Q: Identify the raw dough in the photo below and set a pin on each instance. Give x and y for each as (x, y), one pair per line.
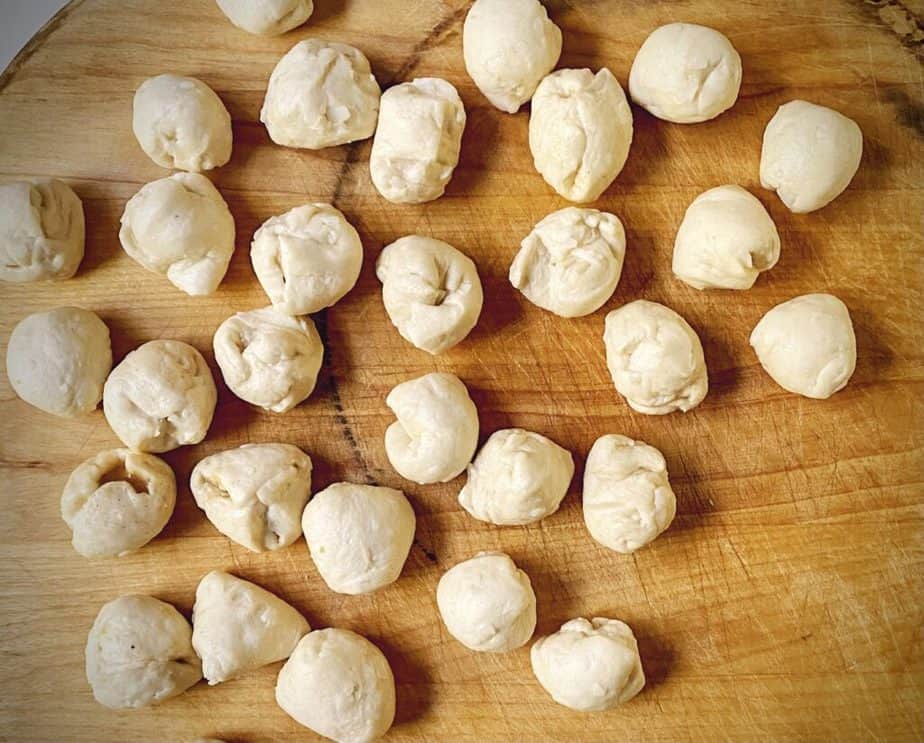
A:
(267, 17)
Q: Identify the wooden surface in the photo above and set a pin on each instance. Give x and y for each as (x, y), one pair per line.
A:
(785, 602)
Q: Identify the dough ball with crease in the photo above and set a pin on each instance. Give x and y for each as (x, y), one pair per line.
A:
(267, 17)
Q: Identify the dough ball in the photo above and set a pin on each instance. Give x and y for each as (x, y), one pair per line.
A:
(431, 292)
(487, 603)
(571, 262)
(359, 536)
(509, 46)
(655, 358)
(417, 142)
(180, 122)
(117, 502)
(589, 666)
(58, 360)
(307, 259)
(254, 494)
(807, 345)
(240, 627)
(518, 477)
(339, 685)
(181, 227)
(267, 17)
(42, 231)
(162, 396)
(809, 156)
(139, 652)
(268, 358)
(628, 500)
(436, 433)
(580, 130)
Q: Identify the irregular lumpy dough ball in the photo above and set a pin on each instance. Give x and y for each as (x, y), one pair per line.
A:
(42, 231)
(807, 345)
(518, 477)
(117, 502)
(655, 358)
(810, 154)
(580, 130)
(267, 17)
(268, 358)
(571, 262)
(417, 142)
(487, 603)
(58, 360)
(255, 494)
(339, 685)
(162, 396)
(139, 652)
(359, 536)
(181, 227)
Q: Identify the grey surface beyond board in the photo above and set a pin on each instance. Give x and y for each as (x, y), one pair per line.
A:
(19, 20)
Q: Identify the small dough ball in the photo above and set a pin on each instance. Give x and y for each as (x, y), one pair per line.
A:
(162, 396)
(809, 155)
(431, 291)
(181, 227)
(240, 627)
(58, 360)
(139, 652)
(267, 17)
(655, 358)
(359, 536)
(580, 130)
(254, 494)
(307, 259)
(518, 477)
(589, 666)
(339, 685)
(628, 500)
(436, 433)
(268, 358)
(807, 345)
(487, 603)
(42, 231)
(571, 262)
(180, 122)
(418, 140)
(117, 502)
(509, 46)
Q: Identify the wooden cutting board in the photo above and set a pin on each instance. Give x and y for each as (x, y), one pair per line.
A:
(785, 602)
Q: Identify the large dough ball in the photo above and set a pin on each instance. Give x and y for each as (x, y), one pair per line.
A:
(58, 360)
(267, 17)
(807, 345)
(160, 397)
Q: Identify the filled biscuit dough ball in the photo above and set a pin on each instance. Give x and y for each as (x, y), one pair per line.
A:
(267, 17)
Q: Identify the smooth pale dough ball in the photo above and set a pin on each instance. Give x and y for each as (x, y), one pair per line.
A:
(42, 231)
(589, 666)
(307, 259)
(181, 227)
(518, 477)
(359, 536)
(725, 240)
(509, 46)
(339, 685)
(809, 155)
(655, 358)
(267, 17)
(58, 360)
(487, 603)
(239, 627)
(571, 262)
(628, 500)
(418, 140)
(139, 652)
(117, 502)
(807, 345)
(436, 433)
(162, 396)
(254, 494)
(580, 130)
(268, 358)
